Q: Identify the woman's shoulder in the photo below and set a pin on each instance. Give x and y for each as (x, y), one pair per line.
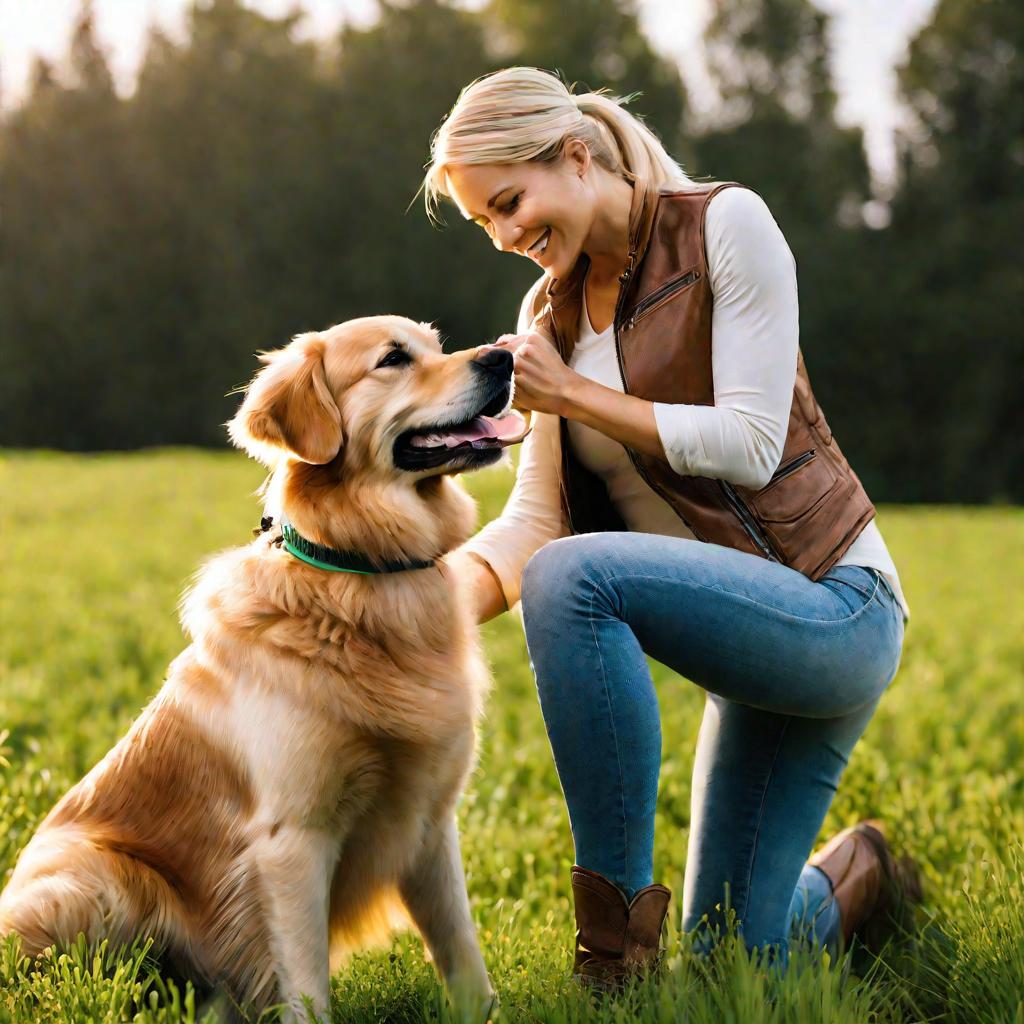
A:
(734, 215)
(738, 206)
(741, 235)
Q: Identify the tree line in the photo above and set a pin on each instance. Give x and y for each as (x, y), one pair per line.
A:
(255, 185)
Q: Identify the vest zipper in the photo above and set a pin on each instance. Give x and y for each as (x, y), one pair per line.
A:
(749, 522)
(563, 492)
(790, 466)
(646, 304)
(623, 282)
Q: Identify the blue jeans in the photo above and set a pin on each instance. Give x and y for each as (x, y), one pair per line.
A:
(792, 671)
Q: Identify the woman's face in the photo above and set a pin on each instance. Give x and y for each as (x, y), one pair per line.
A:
(542, 211)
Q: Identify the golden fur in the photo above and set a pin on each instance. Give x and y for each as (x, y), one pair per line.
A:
(290, 791)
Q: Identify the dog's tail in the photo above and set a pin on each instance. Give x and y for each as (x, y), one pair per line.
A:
(65, 886)
(47, 912)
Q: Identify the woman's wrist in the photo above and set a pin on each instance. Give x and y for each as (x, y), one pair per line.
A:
(579, 399)
(624, 418)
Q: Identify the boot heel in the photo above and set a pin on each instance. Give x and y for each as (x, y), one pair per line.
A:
(875, 892)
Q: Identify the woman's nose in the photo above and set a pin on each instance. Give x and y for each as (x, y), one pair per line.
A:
(506, 238)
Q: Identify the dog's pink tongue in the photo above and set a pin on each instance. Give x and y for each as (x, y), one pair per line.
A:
(482, 432)
(503, 428)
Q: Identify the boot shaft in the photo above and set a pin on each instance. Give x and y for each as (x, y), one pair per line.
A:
(615, 938)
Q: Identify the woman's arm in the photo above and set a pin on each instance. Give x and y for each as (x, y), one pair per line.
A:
(755, 335)
(624, 418)
(493, 559)
(486, 596)
(532, 516)
(546, 385)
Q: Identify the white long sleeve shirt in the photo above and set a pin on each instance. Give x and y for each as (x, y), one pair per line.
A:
(755, 334)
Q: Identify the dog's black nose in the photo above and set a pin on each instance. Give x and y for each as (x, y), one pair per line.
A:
(498, 361)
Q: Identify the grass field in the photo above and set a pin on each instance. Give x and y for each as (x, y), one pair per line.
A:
(96, 550)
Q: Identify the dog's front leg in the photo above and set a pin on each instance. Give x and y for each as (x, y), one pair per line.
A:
(435, 895)
(296, 865)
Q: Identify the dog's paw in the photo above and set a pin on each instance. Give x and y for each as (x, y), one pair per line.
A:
(476, 1008)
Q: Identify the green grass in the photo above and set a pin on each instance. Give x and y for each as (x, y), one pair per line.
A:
(96, 550)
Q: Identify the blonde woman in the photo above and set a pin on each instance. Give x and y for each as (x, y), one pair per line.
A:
(681, 495)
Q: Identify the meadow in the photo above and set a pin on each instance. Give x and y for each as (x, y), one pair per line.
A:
(96, 551)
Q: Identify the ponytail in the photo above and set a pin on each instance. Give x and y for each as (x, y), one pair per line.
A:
(635, 149)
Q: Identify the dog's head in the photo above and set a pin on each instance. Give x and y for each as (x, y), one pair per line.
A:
(376, 396)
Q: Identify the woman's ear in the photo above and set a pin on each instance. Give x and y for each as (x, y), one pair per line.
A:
(577, 155)
(289, 406)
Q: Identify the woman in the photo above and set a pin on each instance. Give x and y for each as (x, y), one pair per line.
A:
(680, 495)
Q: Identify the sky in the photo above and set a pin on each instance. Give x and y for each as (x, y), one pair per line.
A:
(868, 39)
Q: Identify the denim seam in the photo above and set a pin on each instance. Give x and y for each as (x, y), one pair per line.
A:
(887, 586)
(615, 734)
(760, 817)
(743, 597)
(866, 594)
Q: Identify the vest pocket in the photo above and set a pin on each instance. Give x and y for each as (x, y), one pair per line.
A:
(799, 509)
(796, 489)
(661, 295)
(785, 468)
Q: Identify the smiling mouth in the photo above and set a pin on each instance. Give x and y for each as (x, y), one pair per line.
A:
(540, 245)
(467, 444)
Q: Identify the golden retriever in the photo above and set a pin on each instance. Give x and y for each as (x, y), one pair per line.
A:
(290, 792)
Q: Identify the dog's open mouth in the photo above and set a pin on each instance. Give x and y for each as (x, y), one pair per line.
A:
(474, 442)
(481, 432)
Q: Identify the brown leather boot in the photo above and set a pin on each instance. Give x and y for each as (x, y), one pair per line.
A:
(875, 893)
(615, 940)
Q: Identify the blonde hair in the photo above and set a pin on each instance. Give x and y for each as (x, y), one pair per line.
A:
(522, 114)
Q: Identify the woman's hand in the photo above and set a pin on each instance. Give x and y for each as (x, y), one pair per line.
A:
(542, 380)
(545, 384)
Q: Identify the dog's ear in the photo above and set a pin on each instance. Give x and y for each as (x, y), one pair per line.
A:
(289, 405)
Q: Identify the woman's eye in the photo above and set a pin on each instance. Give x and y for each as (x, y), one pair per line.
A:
(513, 204)
(396, 357)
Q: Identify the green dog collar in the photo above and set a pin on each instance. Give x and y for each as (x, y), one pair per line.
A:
(332, 560)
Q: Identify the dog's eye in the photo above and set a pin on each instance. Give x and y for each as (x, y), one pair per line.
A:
(396, 357)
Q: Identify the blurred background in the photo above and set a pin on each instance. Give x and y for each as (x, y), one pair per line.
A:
(183, 184)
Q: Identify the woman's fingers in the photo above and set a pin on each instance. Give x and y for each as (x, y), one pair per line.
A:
(512, 342)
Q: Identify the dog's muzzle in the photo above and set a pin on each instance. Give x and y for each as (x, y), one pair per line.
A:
(473, 440)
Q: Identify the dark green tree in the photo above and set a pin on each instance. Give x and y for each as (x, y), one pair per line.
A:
(388, 90)
(777, 127)
(947, 351)
(224, 152)
(63, 249)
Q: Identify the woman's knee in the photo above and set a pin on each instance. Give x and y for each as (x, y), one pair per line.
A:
(540, 576)
(559, 570)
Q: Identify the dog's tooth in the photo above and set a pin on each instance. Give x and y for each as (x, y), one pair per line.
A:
(426, 440)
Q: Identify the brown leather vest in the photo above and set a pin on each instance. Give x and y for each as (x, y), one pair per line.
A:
(813, 507)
